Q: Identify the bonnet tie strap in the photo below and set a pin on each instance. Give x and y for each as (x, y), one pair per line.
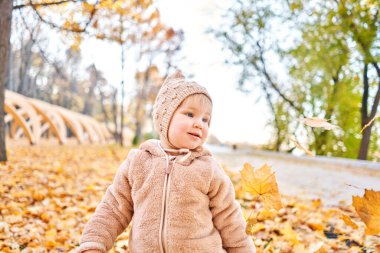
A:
(180, 151)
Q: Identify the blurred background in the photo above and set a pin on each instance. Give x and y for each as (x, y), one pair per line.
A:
(267, 65)
(295, 86)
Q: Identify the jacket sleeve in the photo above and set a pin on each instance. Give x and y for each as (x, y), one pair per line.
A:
(112, 215)
(227, 215)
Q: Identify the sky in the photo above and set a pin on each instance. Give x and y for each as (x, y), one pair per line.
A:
(237, 117)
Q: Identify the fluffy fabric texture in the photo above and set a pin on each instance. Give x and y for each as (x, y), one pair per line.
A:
(201, 212)
(171, 94)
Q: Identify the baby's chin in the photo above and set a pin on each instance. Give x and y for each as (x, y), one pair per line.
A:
(192, 147)
(189, 145)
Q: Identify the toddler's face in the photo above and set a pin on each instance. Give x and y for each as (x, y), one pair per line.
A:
(190, 123)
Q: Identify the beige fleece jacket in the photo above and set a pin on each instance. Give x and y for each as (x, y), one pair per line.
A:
(177, 205)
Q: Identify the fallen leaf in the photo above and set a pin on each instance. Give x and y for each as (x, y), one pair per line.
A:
(315, 225)
(317, 203)
(289, 233)
(251, 222)
(349, 222)
(257, 227)
(266, 214)
(368, 209)
(315, 247)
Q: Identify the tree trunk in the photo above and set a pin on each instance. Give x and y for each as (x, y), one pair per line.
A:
(364, 143)
(5, 47)
(25, 65)
(88, 107)
(366, 135)
(116, 133)
(122, 97)
(140, 112)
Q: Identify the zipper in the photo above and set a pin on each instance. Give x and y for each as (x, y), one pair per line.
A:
(164, 227)
(165, 200)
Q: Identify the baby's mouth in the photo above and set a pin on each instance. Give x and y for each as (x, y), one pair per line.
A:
(195, 134)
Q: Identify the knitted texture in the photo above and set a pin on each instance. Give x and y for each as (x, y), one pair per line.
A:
(173, 91)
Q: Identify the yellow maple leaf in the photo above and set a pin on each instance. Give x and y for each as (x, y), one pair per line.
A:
(261, 183)
(368, 209)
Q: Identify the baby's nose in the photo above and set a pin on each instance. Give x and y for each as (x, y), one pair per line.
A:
(198, 124)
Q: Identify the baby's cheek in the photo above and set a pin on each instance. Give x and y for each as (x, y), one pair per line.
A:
(205, 131)
(181, 128)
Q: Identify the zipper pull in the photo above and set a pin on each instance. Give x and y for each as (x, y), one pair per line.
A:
(169, 168)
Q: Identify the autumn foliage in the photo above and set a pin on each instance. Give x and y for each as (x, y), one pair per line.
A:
(291, 224)
(48, 193)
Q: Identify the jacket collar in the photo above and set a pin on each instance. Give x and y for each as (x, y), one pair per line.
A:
(153, 147)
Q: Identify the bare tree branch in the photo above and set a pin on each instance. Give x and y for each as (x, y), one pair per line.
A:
(53, 25)
(30, 4)
(42, 52)
(273, 84)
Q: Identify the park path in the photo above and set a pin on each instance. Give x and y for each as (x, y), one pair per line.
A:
(330, 179)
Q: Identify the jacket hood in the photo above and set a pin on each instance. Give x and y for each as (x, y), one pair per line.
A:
(153, 147)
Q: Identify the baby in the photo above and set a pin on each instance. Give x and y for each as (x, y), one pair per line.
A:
(178, 196)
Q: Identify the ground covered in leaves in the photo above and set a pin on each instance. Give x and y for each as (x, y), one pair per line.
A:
(49, 192)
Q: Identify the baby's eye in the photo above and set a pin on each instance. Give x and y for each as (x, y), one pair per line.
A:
(189, 114)
(205, 120)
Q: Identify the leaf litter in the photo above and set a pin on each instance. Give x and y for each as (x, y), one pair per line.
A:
(51, 192)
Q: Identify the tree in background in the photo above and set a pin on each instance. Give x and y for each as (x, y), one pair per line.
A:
(156, 48)
(320, 69)
(323, 46)
(115, 21)
(5, 31)
(344, 36)
(250, 39)
(361, 22)
(126, 23)
(148, 84)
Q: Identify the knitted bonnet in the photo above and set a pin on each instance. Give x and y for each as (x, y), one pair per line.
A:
(173, 91)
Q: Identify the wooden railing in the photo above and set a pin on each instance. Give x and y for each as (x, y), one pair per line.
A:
(33, 119)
